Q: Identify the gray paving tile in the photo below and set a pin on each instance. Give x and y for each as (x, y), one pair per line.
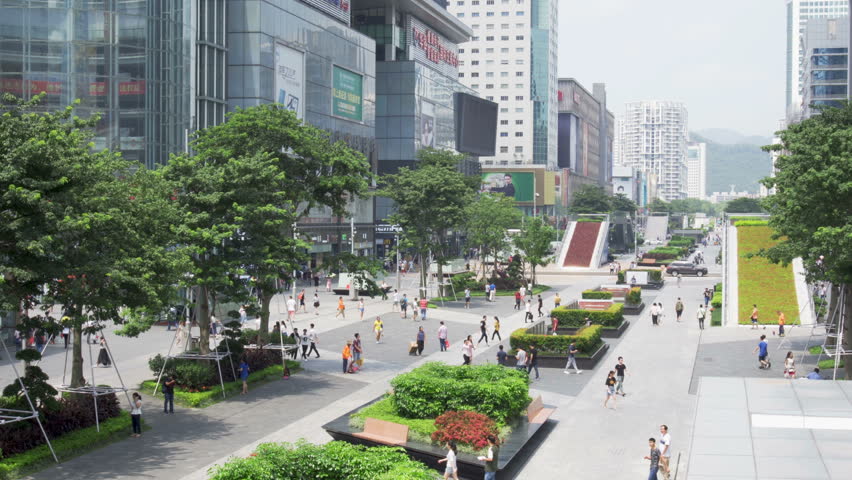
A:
(767, 447)
(722, 445)
(800, 468)
(788, 433)
(716, 422)
(839, 468)
(722, 467)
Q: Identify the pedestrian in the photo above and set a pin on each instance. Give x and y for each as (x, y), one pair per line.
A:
(701, 314)
(467, 351)
(356, 350)
(378, 327)
(496, 330)
(781, 321)
(395, 305)
(707, 296)
(244, 374)
(306, 343)
(136, 415)
(467, 298)
(316, 303)
(291, 309)
(501, 356)
(521, 359)
(403, 306)
(442, 336)
(483, 331)
(493, 292)
(312, 334)
(679, 280)
(523, 291)
(557, 300)
(491, 458)
(661, 313)
(554, 322)
(517, 300)
(540, 306)
(610, 389)
(243, 315)
(347, 354)
(620, 372)
(789, 366)
(295, 340)
(678, 308)
(754, 317)
(169, 395)
(665, 450)
(341, 309)
(532, 361)
(655, 314)
(103, 355)
(361, 308)
(302, 301)
(450, 470)
(415, 313)
(654, 457)
(528, 316)
(572, 359)
(66, 334)
(327, 284)
(814, 375)
(421, 341)
(762, 350)
(384, 289)
(487, 292)
(424, 305)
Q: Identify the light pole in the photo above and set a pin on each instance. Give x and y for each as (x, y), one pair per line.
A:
(398, 276)
(295, 236)
(352, 235)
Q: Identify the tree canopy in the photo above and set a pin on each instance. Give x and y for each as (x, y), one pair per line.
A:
(489, 217)
(534, 241)
(744, 205)
(590, 199)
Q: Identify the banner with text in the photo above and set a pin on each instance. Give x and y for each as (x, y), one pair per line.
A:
(347, 94)
(290, 78)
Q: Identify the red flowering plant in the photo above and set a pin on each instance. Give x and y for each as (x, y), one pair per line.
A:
(465, 427)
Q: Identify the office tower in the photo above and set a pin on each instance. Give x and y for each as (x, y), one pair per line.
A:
(696, 171)
(511, 59)
(825, 46)
(653, 140)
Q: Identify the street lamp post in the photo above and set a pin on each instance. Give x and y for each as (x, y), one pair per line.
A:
(398, 276)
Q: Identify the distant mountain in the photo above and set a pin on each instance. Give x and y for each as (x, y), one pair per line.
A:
(732, 137)
(741, 164)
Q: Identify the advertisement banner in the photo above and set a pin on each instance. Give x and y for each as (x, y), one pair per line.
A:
(430, 48)
(427, 125)
(518, 185)
(347, 90)
(289, 78)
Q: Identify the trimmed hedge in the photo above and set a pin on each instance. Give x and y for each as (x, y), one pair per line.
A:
(587, 341)
(333, 461)
(751, 223)
(612, 317)
(434, 388)
(634, 296)
(67, 446)
(419, 429)
(596, 295)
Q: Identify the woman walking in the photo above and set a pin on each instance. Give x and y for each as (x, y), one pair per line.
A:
(244, 373)
(136, 415)
(415, 312)
(302, 301)
(361, 308)
(528, 316)
(467, 298)
(467, 351)
(421, 341)
(341, 309)
(103, 356)
(450, 470)
(316, 303)
(347, 354)
(483, 331)
(378, 327)
(789, 366)
(610, 389)
(496, 330)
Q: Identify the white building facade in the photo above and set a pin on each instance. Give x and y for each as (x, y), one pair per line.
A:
(696, 170)
(511, 59)
(798, 14)
(654, 140)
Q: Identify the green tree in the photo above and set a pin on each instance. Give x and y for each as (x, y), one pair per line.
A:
(489, 217)
(309, 171)
(620, 203)
(431, 200)
(744, 205)
(811, 210)
(534, 243)
(363, 270)
(659, 205)
(590, 199)
(692, 205)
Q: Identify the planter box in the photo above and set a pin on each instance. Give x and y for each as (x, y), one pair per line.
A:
(469, 467)
(584, 363)
(606, 332)
(633, 309)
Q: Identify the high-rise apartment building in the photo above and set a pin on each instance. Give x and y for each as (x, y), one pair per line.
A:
(653, 140)
(825, 46)
(511, 59)
(696, 170)
(798, 14)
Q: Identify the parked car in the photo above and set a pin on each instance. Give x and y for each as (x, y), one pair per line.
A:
(686, 268)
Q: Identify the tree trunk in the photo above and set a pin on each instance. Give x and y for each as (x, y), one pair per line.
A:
(847, 331)
(202, 305)
(423, 278)
(830, 315)
(77, 379)
(265, 299)
(533, 276)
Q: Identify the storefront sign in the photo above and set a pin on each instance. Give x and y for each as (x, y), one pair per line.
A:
(338, 9)
(385, 228)
(429, 42)
(99, 89)
(347, 94)
(426, 46)
(34, 87)
(289, 78)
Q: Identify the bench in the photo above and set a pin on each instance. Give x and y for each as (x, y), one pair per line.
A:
(387, 433)
(536, 413)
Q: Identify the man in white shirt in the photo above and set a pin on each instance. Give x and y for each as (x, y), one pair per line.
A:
(665, 450)
(291, 309)
(521, 356)
(312, 335)
(442, 336)
(395, 306)
(523, 293)
(655, 314)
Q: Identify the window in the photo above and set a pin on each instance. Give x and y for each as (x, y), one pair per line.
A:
(823, 90)
(474, 26)
(519, 122)
(504, 85)
(461, 63)
(504, 98)
(474, 74)
(461, 50)
(504, 50)
(519, 13)
(475, 86)
(504, 122)
(489, 14)
(520, 2)
(474, 14)
(519, 25)
(519, 110)
(489, 98)
(504, 110)
(489, 38)
(519, 37)
(489, 2)
(475, 2)
(475, 39)
(460, 4)
(489, 85)
(519, 134)
(504, 38)
(474, 62)
(460, 14)
(489, 62)
(829, 59)
(504, 26)
(519, 85)
(517, 97)
(504, 134)
(489, 74)
(504, 74)
(504, 149)
(519, 50)
(829, 75)
(490, 26)
(519, 62)
(474, 50)
(461, 74)
(504, 62)
(519, 149)
(504, 14)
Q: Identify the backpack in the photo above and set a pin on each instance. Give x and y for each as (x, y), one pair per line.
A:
(679, 306)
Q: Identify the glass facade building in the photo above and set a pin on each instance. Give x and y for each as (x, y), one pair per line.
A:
(543, 81)
(127, 60)
(824, 67)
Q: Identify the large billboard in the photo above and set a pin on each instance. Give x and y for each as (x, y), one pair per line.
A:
(347, 93)
(290, 78)
(476, 125)
(518, 185)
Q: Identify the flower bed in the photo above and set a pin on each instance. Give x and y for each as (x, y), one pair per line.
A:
(464, 427)
(332, 461)
(612, 317)
(771, 287)
(587, 340)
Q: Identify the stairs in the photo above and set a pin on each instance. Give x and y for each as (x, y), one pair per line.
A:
(583, 244)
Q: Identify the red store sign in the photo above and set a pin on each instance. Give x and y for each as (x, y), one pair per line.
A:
(429, 42)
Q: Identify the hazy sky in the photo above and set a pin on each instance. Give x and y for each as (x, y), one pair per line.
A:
(725, 59)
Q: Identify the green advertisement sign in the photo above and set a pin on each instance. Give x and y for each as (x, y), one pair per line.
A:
(347, 89)
(518, 185)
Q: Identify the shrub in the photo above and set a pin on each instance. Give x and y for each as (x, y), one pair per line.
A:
(434, 388)
(634, 296)
(419, 429)
(716, 300)
(195, 375)
(332, 461)
(612, 317)
(587, 341)
(596, 295)
(465, 280)
(465, 427)
(718, 287)
(620, 278)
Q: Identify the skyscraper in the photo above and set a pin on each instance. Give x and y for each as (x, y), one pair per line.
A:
(798, 13)
(653, 140)
(825, 46)
(511, 59)
(696, 171)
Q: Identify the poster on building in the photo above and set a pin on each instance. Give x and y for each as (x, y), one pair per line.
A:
(427, 124)
(347, 90)
(518, 185)
(290, 78)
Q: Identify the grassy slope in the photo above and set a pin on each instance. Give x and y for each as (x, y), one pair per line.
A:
(769, 286)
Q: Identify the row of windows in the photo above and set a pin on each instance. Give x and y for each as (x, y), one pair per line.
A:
(489, 2)
(491, 62)
(829, 74)
(490, 38)
(490, 26)
(505, 149)
(491, 74)
(503, 26)
(506, 134)
(491, 50)
(491, 14)
(504, 98)
(829, 59)
(506, 122)
(822, 90)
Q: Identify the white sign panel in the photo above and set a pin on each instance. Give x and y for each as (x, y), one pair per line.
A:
(290, 78)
